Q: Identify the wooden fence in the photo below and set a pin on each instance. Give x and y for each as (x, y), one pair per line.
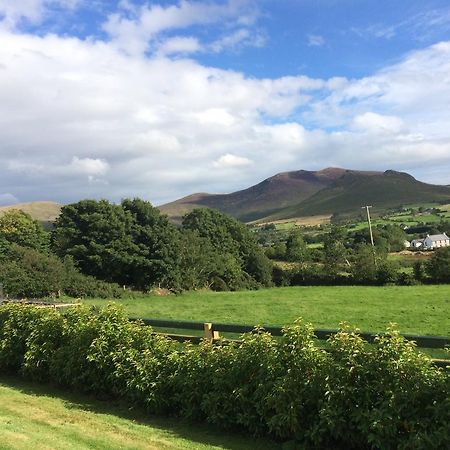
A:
(211, 332)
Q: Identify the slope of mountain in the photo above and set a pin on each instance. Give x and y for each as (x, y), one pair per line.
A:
(43, 211)
(268, 197)
(382, 190)
(305, 193)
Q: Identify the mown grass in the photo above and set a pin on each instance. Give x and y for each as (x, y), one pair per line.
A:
(422, 310)
(42, 417)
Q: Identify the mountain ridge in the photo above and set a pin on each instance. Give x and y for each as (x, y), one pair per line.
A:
(304, 193)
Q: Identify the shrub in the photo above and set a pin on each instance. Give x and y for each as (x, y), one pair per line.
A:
(28, 273)
(380, 396)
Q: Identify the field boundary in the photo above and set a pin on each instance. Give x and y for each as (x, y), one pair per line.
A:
(211, 332)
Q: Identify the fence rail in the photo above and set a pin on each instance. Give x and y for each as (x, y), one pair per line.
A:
(211, 332)
(321, 334)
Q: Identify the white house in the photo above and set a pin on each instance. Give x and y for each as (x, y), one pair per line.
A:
(436, 241)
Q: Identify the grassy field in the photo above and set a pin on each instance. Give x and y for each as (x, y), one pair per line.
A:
(423, 310)
(40, 417)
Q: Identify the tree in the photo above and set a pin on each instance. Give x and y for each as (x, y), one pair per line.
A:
(18, 227)
(95, 234)
(296, 249)
(363, 267)
(242, 263)
(130, 244)
(335, 253)
(394, 236)
(438, 267)
(156, 246)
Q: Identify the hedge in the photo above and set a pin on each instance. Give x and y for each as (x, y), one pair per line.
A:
(355, 396)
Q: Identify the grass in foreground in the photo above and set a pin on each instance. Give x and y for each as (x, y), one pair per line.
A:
(41, 417)
(422, 310)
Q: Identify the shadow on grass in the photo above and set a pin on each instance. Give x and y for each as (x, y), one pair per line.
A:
(194, 432)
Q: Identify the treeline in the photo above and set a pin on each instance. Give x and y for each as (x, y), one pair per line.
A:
(356, 396)
(345, 258)
(96, 248)
(101, 249)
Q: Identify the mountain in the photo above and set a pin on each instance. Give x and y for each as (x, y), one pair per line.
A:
(264, 199)
(305, 193)
(45, 212)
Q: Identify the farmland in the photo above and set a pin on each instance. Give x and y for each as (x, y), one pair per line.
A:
(420, 310)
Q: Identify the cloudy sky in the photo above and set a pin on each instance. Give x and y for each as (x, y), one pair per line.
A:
(160, 99)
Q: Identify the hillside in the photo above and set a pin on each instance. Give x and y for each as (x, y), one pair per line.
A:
(43, 211)
(269, 197)
(382, 190)
(306, 193)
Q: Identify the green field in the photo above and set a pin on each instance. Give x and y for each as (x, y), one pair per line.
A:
(44, 418)
(423, 310)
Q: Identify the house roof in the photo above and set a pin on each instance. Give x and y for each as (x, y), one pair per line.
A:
(438, 237)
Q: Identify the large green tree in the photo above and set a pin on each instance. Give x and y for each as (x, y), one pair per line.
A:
(155, 251)
(239, 262)
(129, 244)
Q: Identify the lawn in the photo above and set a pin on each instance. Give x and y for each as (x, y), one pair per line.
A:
(422, 310)
(41, 417)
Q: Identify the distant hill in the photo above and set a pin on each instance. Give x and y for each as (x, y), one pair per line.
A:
(269, 197)
(45, 212)
(305, 193)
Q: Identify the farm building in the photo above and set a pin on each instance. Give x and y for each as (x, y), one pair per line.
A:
(416, 243)
(436, 241)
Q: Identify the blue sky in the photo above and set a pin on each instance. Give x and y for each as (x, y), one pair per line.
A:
(159, 99)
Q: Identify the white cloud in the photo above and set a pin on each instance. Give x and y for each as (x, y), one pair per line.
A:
(84, 119)
(137, 32)
(242, 37)
(179, 44)
(12, 12)
(315, 40)
(376, 123)
(231, 161)
(88, 166)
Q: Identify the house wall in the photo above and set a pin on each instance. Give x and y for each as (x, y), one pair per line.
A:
(428, 243)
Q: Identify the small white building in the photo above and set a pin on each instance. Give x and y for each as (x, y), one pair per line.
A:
(416, 243)
(436, 241)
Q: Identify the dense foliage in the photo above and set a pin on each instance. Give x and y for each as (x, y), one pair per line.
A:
(128, 244)
(133, 245)
(17, 227)
(382, 396)
(438, 267)
(25, 273)
(238, 261)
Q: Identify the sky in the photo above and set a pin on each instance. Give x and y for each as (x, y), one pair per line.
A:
(161, 99)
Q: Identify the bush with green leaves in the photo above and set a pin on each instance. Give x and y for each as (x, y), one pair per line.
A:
(19, 228)
(385, 395)
(28, 273)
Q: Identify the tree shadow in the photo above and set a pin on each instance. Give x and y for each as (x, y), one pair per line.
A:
(193, 431)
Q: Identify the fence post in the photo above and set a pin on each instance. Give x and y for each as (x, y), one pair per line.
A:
(210, 335)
